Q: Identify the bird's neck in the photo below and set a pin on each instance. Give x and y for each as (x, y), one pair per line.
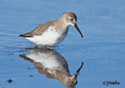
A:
(63, 24)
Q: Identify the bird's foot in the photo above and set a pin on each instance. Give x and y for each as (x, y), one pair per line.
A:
(43, 47)
(36, 46)
(46, 48)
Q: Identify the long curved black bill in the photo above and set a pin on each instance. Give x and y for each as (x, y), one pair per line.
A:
(75, 25)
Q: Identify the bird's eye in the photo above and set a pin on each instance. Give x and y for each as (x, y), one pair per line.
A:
(71, 19)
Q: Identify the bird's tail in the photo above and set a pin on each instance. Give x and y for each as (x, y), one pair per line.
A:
(25, 35)
(21, 35)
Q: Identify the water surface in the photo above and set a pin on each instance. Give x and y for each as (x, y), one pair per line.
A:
(102, 49)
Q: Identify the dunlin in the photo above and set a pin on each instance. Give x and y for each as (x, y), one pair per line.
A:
(53, 32)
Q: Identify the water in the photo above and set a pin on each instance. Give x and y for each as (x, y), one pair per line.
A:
(102, 49)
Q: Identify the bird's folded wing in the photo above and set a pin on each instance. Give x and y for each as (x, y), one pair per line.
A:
(38, 30)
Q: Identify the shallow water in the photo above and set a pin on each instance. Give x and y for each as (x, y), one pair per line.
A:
(102, 49)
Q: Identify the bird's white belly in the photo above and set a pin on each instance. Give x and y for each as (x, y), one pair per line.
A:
(49, 38)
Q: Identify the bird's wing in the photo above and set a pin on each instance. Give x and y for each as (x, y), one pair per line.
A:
(39, 30)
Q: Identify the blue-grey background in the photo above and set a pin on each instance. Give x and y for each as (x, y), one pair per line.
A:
(102, 23)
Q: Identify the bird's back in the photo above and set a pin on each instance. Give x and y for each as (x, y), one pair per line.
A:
(39, 29)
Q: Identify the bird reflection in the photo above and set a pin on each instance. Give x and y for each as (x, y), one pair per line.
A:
(53, 65)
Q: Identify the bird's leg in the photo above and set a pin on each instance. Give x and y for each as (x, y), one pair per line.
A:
(45, 47)
(36, 46)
